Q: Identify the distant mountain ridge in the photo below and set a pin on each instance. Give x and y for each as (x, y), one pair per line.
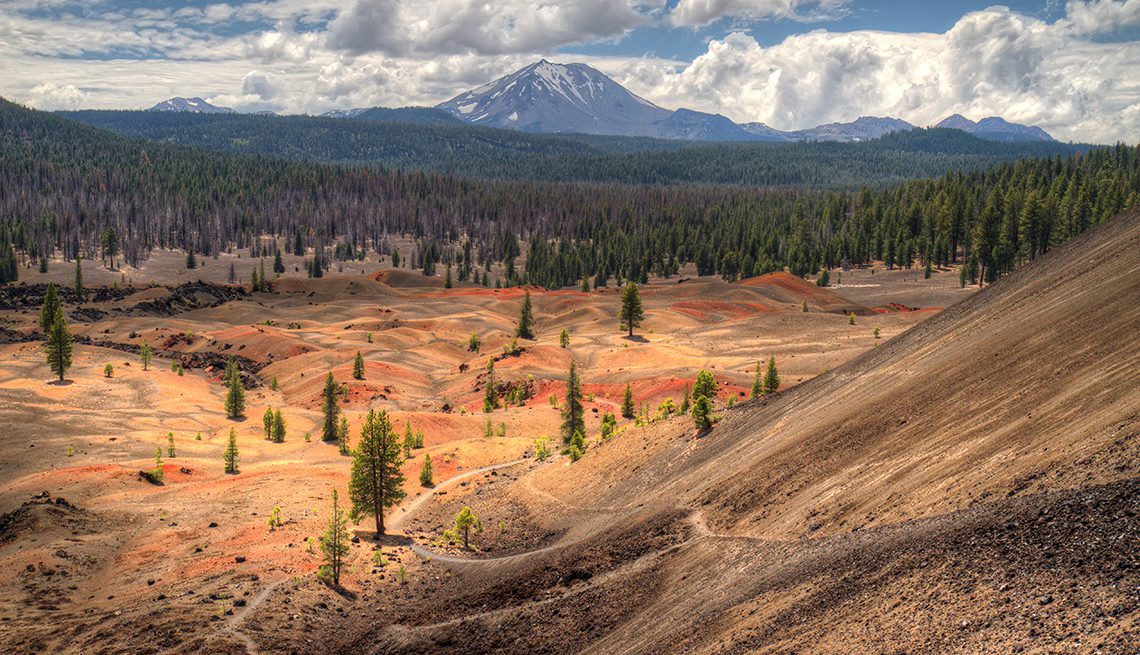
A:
(995, 128)
(551, 98)
(560, 98)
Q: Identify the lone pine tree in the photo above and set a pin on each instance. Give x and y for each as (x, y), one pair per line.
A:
(631, 311)
(757, 382)
(466, 521)
(705, 385)
(425, 472)
(490, 392)
(235, 398)
(335, 542)
(377, 482)
(278, 427)
(572, 411)
(330, 408)
(358, 366)
(58, 347)
(627, 408)
(230, 456)
(267, 423)
(771, 377)
(525, 327)
(145, 355)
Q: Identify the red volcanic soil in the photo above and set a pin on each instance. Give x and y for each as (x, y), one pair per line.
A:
(790, 288)
(705, 309)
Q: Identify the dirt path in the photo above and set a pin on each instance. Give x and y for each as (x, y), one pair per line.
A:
(414, 504)
(233, 626)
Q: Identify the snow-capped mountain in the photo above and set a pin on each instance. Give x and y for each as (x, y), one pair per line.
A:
(194, 105)
(547, 97)
(995, 128)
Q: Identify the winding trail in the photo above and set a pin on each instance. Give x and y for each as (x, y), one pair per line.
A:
(414, 504)
(233, 626)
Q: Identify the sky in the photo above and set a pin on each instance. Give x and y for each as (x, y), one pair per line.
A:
(1072, 68)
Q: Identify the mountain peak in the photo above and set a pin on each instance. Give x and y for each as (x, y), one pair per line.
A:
(995, 128)
(193, 105)
(551, 97)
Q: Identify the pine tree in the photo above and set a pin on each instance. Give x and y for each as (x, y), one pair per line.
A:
(572, 412)
(50, 307)
(491, 392)
(262, 283)
(705, 385)
(525, 327)
(358, 366)
(631, 311)
(235, 398)
(191, 261)
(627, 408)
(377, 481)
(278, 427)
(267, 423)
(425, 472)
(342, 436)
(145, 355)
(58, 346)
(771, 378)
(170, 444)
(409, 439)
(335, 542)
(564, 338)
(466, 521)
(447, 278)
(278, 264)
(158, 472)
(757, 382)
(232, 277)
(684, 409)
(488, 429)
(702, 413)
(330, 408)
(230, 456)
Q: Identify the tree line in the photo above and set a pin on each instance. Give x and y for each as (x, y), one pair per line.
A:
(72, 190)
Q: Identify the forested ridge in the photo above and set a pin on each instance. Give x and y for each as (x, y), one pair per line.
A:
(70, 188)
(472, 151)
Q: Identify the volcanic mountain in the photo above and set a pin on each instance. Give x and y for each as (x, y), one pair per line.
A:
(547, 97)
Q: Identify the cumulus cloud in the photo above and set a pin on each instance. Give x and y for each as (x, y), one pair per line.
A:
(690, 13)
(1101, 16)
(991, 62)
(407, 27)
(55, 96)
